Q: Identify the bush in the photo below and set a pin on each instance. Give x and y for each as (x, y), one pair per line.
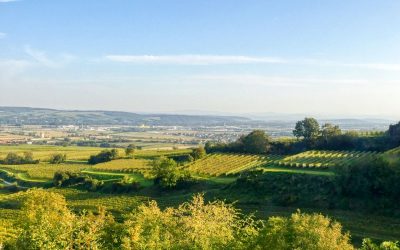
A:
(198, 153)
(302, 231)
(372, 177)
(58, 158)
(103, 156)
(65, 179)
(15, 159)
(168, 175)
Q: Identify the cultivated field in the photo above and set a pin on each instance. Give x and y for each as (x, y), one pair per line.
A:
(320, 159)
(226, 164)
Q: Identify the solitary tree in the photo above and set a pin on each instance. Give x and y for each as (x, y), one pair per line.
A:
(198, 153)
(58, 158)
(308, 129)
(394, 134)
(329, 130)
(166, 172)
(130, 150)
(257, 142)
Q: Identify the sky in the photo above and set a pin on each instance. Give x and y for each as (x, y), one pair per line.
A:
(234, 57)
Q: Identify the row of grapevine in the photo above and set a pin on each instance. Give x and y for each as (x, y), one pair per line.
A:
(219, 164)
(125, 166)
(321, 159)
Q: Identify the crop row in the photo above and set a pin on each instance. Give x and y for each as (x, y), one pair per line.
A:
(125, 166)
(218, 164)
(321, 159)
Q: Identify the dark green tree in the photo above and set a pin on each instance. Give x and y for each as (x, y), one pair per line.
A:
(257, 142)
(165, 172)
(308, 129)
(328, 131)
(198, 153)
(130, 150)
(58, 158)
(394, 134)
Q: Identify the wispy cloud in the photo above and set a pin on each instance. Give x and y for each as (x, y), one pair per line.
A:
(377, 66)
(42, 58)
(8, 1)
(2, 35)
(39, 56)
(233, 59)
(283, 81)
(192, 59)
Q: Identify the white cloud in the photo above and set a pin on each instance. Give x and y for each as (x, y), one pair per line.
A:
(8, 1)
(192, 59)
(282, 81)
(232, 59)
(2, 35)
(39, 56)
(377, 66)
(42, 58)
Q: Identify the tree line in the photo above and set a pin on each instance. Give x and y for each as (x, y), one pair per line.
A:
(310, 135)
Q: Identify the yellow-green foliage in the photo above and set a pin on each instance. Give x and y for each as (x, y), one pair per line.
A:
(193, 225)
(302, 231)
(45, 222)
(125, 165)
(44, 153)
(43, 170)
(158, 153)
(321, 159)
(218, 164)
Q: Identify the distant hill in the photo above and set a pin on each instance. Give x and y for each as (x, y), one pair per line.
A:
(41, 116)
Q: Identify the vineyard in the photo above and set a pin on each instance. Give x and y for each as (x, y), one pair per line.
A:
(43, 170)
(227, 164)
(320, 159)
(125, 166)
(44, 153)
(230, 164)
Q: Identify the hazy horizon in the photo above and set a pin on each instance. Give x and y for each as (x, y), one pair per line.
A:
(253, 57)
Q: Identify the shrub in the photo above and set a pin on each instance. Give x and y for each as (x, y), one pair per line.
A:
(15, 159)
(58, 158)
(65, 179)
(103, 156)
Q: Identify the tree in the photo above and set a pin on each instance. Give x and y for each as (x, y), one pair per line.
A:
(369, 178)
(165, 172)
(302, 231)
(103, 156)
(367, 244)
(257, 142)
(394, 134)
(308, 129)
(130, 150)
(329, 131)
(193, 225)
(46, 222)
(15, 159)
(28, 157)
(58, 158)
(198, 153)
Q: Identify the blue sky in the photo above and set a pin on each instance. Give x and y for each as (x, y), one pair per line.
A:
(315, 57)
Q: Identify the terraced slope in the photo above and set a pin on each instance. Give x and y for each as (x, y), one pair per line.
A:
(226, 164)
(320, 159)
(125, 166)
